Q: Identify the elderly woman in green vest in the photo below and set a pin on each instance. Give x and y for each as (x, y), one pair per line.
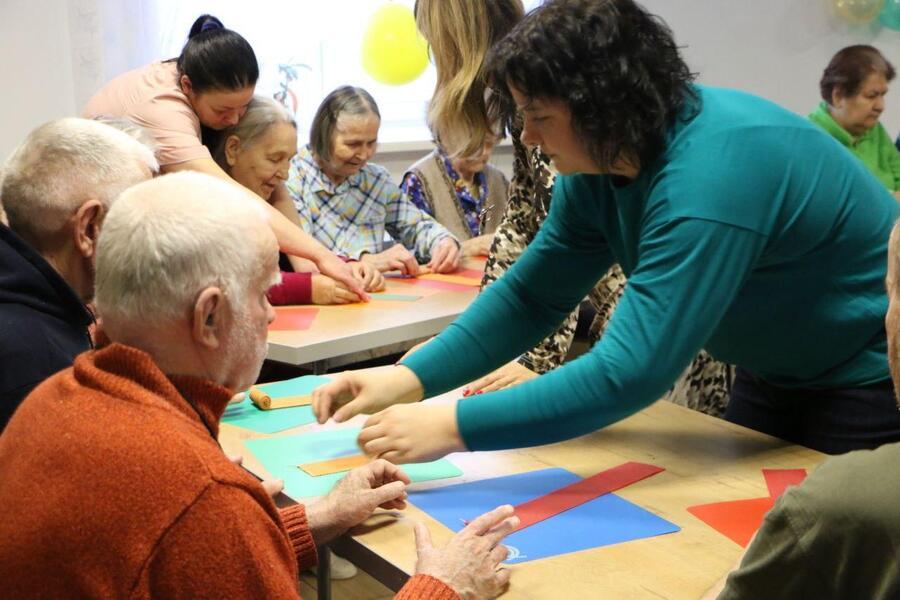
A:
(853, 88)
(464, 194)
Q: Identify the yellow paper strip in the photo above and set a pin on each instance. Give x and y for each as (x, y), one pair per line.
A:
(334, 465)
(265, 402)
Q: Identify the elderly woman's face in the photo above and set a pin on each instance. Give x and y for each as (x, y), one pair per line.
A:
(860, 113)
(265, 163)
(354, 143)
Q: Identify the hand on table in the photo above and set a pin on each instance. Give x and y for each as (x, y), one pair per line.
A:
(326, 290)
(368, 276)
(378, 484)
(334, 267)
(445, 256)
(395, 258)
(506, 376)
(365, 391)
(470, 562)
(412, 433)
(478, 246)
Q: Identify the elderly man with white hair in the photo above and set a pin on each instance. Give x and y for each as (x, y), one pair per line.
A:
(56, 189)
(150, 505)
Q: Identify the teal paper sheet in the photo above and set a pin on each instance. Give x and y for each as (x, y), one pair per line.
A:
(245, 414)
(282, 455)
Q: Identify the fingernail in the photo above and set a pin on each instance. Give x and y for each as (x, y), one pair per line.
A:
(466, 392)
(479, 392)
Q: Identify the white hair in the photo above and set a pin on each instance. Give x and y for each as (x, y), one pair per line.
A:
(166, 240)
(261, 114)
(60, 166)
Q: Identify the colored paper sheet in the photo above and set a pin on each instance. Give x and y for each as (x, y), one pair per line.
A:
(470, 273)
(395, 297)
(285, 394)
(281, 455)
(245, 414)
(576, 494)
(292, 318)
(777, 480)
(602, 521)
(428, 283)
(335, 465)
(452, 278)
(738, 520)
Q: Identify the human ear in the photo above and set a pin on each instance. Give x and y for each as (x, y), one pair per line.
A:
(232, 149)
(209, 318)
(88, 220)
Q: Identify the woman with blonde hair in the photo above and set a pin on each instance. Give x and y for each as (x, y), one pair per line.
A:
(462, 113)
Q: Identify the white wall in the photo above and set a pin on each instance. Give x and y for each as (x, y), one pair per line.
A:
(775, 48)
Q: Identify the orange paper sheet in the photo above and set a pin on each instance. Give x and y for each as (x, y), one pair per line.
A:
(452, 278)
(292, 318)
(738, 520)
(335, 465)
(569, 497)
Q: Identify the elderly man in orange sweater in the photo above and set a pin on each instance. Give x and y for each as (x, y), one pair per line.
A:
(113, 483)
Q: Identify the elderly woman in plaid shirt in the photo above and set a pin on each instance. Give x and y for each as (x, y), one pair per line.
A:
(348, 204)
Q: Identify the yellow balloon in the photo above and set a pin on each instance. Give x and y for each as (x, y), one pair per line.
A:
(858, 12)
(393, 50)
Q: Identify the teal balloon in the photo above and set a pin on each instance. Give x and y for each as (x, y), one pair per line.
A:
(890, 14)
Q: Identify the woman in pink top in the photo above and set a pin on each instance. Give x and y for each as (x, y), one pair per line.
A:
(210, 84)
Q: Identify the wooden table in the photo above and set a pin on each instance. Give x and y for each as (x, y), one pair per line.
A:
(345, 330)
(706, 460)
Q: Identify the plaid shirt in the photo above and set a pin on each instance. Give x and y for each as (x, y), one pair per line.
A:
(352, 218)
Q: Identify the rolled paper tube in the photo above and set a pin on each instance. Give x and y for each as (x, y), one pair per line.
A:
(334, 465)
(265, 402)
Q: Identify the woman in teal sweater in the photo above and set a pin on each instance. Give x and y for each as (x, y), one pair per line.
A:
(733, 237)
(853, 87)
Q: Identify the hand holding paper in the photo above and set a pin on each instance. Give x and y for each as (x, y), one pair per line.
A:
(470, 561)
(412, 433)
(365, 391)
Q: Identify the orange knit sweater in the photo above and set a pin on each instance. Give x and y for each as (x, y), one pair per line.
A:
(112, 486)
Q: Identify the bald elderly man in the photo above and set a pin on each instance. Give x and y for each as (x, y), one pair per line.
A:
(836, 535)
(56, 189)
(113, 482)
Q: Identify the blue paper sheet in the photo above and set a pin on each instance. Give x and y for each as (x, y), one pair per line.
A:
(606, 520)
(282, 455)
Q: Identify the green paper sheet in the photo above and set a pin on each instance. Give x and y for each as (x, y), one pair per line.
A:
(298, 386)
(245, 414)
(395, 297)
(282, 455)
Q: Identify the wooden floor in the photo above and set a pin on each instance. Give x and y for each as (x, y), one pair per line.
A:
(360, 587)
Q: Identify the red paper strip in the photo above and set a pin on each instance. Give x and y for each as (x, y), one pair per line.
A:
(738, 520)
(291, 318)
(777, 480)
(563, 499)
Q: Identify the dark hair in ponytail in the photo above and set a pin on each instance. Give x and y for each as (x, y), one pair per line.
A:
(216, 58)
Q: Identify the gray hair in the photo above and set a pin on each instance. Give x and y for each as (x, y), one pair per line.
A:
(347, 100)
(261, 114)
(141, 134)
(60, 166)
(167, 239)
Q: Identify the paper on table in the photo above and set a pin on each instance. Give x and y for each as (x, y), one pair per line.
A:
(738, 520)
(245, 414)
(334, 465)
(281, 455)
(451, 278)
(285, 394)
(292, 318)
(576, 494)
(608, 519)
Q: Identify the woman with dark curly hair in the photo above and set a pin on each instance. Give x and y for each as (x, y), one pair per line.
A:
(741, 229)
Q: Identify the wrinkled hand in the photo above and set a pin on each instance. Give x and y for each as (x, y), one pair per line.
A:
(506, 376)
(378, 484)
(412, 433)
(334, 267)
(470, 562)
(477, 246)
(365, 391)
(395, 258)
(445, 256)
(326, 290)
(368, 276)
